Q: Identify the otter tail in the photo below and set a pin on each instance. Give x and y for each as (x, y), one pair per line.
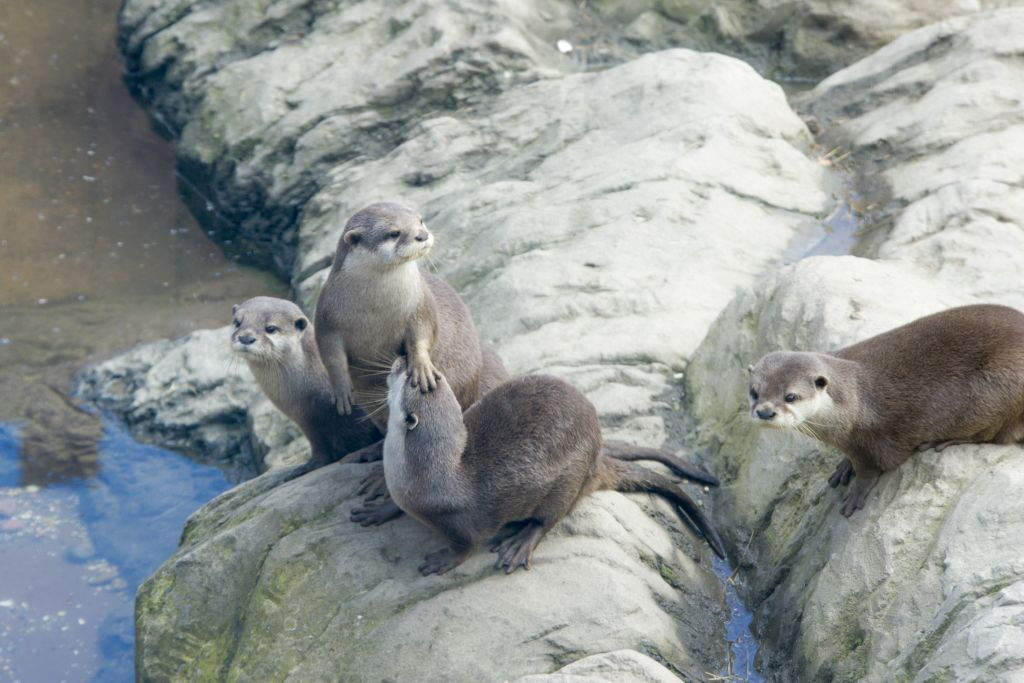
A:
(621, 450)
(617, 475)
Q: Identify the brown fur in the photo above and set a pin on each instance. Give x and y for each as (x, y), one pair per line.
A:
(508, 469)
(281, 353)
(952, 377)
(377, 304)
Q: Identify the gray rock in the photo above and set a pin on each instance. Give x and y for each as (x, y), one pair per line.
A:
(571, 213)
(281, 586)
(596, 224)
(809, 39)
(187, 394)
(621, 666)
(923, 584)
(935, 123)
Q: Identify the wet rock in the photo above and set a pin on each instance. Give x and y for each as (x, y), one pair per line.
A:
(935, 123)
(914, 587)
(187, 394)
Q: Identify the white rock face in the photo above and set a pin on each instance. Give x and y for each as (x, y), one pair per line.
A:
(937, 119)
(598, 223)
(921, 584)
(595, 224)
(625, 666)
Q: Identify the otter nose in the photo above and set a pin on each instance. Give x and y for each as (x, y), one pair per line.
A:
(246, 339)
(765, 413)
(422, 236)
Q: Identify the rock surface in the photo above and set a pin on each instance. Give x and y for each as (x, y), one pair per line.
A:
(935, 123)
(597, 223)
(924, 583)
(569, 212)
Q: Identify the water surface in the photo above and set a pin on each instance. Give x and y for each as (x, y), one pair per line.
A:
(97, 253)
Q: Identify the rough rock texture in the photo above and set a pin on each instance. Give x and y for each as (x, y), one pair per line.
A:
(570, 213)
(266, 98)
(926, 583)
(935, 123)
(277, 584)
(809, 39)
(194, 395)
(625, 666)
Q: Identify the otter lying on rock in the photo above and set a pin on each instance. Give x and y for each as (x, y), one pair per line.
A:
(514, 464)
(949, 378)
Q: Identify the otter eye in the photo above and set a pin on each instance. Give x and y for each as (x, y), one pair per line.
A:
(753, 394)
(821, 382)
(395, 234)
(411, 421)
(790, 398)
(271, 329)
(237, 322)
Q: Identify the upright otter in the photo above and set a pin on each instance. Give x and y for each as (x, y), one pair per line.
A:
(515, 463)
(377, 304)
(275, 339)
(948, 378)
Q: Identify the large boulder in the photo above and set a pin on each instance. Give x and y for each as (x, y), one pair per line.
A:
(595, 224)
(934, 124)
(926, 582)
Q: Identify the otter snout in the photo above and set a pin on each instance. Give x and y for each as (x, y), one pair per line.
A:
(422, 236)
(765, 413)
(246, 339)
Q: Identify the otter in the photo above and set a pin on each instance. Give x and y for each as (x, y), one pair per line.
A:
(377, 304)
(949, 378)
(275, 339)
(508, 469)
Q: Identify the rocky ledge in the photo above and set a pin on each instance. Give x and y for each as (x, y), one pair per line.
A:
(634, 223)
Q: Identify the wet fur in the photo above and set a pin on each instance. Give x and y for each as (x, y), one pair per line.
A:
(524, 455)
(955, 376)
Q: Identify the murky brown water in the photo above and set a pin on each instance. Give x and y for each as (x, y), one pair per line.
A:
(97, 253)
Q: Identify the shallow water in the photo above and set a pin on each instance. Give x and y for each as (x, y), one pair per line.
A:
(97, 253)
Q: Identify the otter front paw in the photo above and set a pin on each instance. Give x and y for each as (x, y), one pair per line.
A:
(857, 494)
(371, 453)
(373, 484)
(424, 375)
(343, 398)
(842, 474)
(375, 514)
(442, 561)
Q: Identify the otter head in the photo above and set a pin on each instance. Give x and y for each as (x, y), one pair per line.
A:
(427, 425)
(789, 390)
(268, 330)
(383, 236)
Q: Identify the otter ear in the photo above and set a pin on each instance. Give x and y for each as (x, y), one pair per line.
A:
(820, 382)
(352, 237)
(411, 421)
(234, 309)
(750, 369)
(300, 324)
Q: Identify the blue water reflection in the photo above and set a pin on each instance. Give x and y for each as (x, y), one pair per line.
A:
(72, 554)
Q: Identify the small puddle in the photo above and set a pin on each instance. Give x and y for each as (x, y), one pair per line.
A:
(742, 644)
(75, 552)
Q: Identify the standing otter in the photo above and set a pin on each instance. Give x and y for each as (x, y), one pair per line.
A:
(949, 378)
(276, 341)
(515, 464)
(377, 304)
